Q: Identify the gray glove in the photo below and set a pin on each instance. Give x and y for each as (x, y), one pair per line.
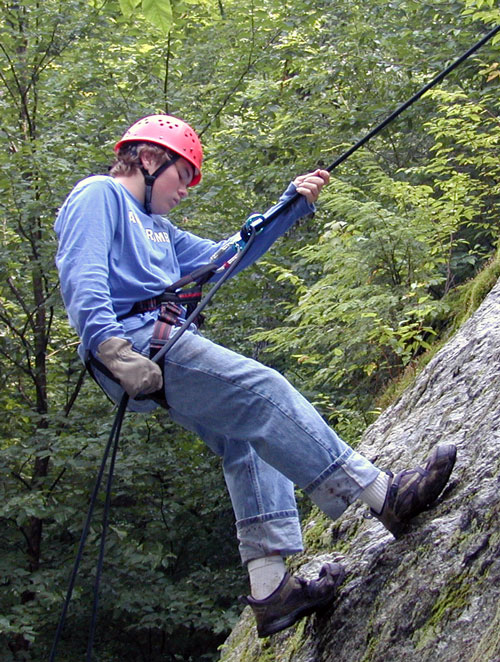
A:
(136, 373)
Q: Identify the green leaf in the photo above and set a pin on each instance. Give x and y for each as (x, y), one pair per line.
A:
(159, 13)
(128, 6)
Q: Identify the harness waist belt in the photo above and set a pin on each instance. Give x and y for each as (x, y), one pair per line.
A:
(188, 298)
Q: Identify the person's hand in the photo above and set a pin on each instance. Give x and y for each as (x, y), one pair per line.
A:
(310, 185)
(135, 372)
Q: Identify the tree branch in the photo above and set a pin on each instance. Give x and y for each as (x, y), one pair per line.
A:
(20, 300)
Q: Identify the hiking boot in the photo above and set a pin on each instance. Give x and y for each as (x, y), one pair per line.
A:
(294, 598)
(412, 490)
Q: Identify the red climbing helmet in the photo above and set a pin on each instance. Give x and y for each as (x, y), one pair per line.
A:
(169, 132)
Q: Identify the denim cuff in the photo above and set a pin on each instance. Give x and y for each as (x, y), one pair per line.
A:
(270, 533)
(342, 483)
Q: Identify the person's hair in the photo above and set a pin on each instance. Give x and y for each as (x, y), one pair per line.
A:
(128, 157)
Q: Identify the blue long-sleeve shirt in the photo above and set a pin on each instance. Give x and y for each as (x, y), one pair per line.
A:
(112, 254)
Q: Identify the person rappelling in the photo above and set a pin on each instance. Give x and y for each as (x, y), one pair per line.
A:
(120, 262)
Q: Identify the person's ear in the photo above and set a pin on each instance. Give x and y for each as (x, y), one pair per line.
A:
(147, 162)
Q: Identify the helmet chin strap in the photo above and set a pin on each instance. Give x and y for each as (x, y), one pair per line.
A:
(150, 179)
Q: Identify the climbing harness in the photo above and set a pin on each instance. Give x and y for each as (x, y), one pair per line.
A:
(168, 317)
(169, 303)
(177, 293)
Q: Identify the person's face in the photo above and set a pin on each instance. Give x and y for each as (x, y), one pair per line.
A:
(171, 186)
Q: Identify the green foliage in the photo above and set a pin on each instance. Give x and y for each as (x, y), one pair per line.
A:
(171, 564)
(163, 14)
(484, 10)
(462, 302)
(342, 305)
(389, 252)
(370, 310)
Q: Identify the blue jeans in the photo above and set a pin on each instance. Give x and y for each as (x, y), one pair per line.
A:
(268, 436)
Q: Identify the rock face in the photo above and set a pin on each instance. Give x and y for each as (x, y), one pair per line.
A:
(433, 595)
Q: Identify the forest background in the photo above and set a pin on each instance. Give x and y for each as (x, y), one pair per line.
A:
(344, 305)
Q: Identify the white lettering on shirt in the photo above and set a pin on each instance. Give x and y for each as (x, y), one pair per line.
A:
(158, 237)
(133, 218)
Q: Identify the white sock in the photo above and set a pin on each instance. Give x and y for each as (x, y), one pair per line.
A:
(265, 575)
(374, 495)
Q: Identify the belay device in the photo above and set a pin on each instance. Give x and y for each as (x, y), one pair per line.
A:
(248, 232)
